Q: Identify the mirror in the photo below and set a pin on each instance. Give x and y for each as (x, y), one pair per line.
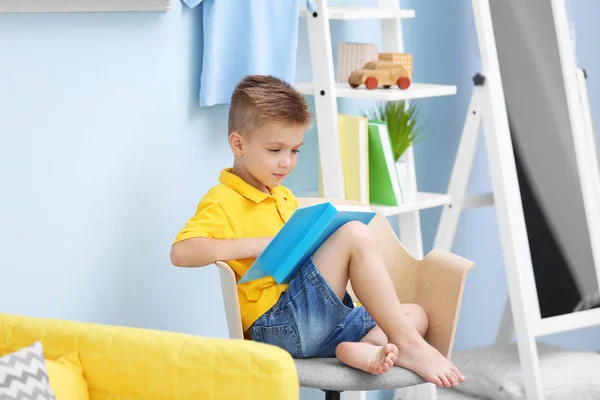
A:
(530, 39)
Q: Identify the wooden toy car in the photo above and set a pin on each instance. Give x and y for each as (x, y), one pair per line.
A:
(380, 73)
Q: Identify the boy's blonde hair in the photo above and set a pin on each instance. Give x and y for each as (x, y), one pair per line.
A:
(260, 99)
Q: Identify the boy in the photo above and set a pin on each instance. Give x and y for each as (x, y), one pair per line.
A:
(313, 316)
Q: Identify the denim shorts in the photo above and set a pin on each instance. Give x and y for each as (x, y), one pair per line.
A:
(309, 319)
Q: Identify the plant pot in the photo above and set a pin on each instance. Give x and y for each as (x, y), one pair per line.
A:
(402, 169)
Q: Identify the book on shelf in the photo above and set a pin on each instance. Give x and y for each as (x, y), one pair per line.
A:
(383, 177)
(300, 237)
(368, 165)
(353, 133)
(354, 148)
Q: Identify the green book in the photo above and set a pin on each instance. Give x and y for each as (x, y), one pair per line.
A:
(384, 185)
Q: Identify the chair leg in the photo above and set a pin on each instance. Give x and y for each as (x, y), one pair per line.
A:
(332, 395)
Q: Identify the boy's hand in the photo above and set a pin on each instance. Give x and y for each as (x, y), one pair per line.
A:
(198, 252)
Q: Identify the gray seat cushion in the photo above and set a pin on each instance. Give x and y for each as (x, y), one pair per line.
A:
(331, 374)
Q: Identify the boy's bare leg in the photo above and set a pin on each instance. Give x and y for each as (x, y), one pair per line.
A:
(367, 356)
(352, 253)
(416, 317)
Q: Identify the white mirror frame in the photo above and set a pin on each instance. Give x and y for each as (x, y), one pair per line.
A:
(19, 6)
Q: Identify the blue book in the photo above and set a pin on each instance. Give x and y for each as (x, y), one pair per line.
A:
(300, 237)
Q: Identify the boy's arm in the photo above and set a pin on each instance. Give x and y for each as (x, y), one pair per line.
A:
(198, 252)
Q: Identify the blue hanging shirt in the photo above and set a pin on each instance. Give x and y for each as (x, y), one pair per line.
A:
(246, 37)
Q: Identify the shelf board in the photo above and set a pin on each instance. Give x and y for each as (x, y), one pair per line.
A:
(348, 13)
(415, 91)
(44, 6)
(422, 201)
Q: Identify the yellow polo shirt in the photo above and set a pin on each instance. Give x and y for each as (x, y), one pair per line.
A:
(235, 209)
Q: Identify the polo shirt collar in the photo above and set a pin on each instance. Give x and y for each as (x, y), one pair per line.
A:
(242, 187)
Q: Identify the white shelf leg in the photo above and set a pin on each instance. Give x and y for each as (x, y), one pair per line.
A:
(410, 223)
(326, 112)
(461, 172)
(509, 208)
(321, 56)
(355, 395)
(418, 392)
(513, 234)
(391, 29)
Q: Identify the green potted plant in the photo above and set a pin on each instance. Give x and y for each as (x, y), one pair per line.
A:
(405, 130)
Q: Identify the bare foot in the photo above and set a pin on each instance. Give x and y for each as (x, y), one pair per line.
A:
(367, 357)
(420, 357)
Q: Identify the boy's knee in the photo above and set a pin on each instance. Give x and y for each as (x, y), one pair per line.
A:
(415, 310)
(357, 233)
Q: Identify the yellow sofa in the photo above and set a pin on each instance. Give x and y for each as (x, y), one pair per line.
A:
(121, 363)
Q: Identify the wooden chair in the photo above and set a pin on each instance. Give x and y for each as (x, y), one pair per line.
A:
(436, 283)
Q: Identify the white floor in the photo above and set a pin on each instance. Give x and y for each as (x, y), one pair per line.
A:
(453, 394)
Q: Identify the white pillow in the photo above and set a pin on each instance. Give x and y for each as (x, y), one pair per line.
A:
(494, 372)
(23, 375)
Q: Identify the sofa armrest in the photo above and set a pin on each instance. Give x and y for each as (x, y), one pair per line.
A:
(133, 363)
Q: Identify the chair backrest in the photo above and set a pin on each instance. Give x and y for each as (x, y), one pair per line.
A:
(230, 300)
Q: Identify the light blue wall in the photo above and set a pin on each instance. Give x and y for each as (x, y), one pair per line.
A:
(104, 154)
(583, 15)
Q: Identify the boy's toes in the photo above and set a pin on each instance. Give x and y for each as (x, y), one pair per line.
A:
(452, 378)
(389, 361)
(393, 355)
(460, 376)
(445, 381)
(437, 381)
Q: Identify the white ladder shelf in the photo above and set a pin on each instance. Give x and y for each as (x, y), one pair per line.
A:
(326, 90)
